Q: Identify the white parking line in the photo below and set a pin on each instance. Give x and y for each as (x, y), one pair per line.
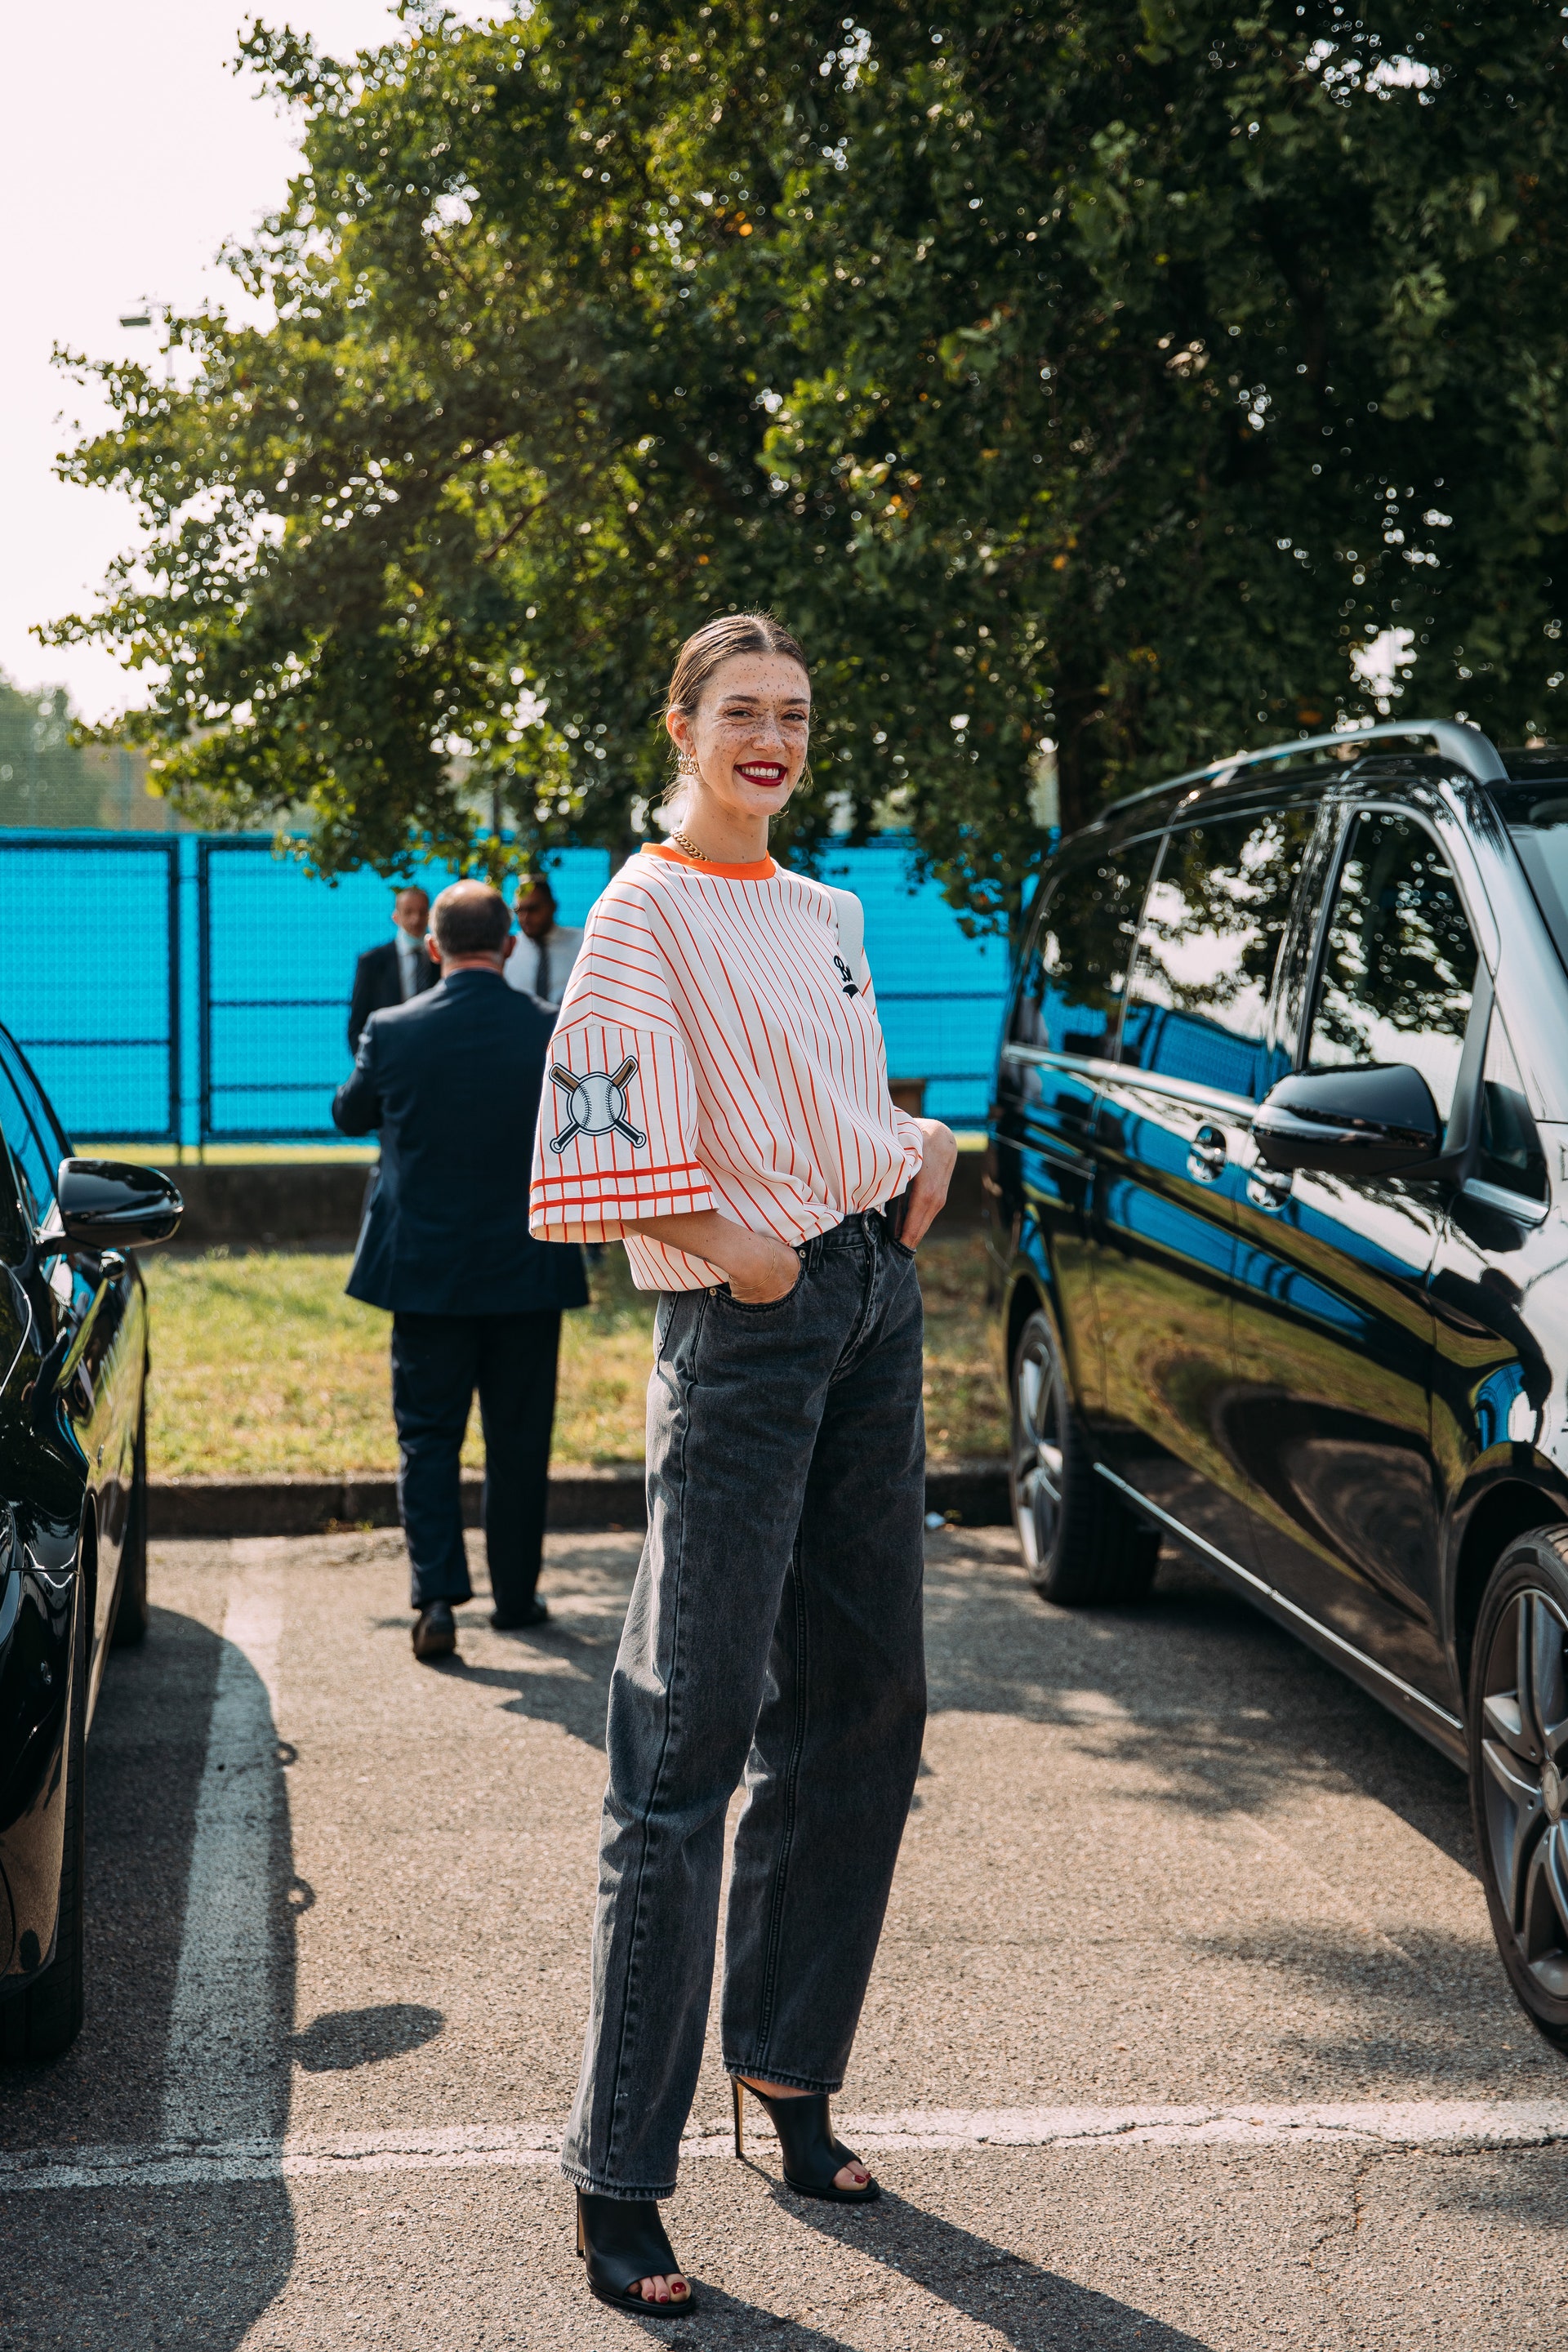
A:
(1448, 2123)
(220, 2073)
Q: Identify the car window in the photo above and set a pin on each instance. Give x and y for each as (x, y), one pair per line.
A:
(1401, 960)
(1510, 1154)
(1536, 813)
(1198, 999)
(30, 1129)
(1069, 996)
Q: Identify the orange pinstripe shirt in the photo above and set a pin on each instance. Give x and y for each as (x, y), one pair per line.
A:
(714, 1050)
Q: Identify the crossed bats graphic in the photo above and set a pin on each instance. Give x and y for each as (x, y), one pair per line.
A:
(596, 1103)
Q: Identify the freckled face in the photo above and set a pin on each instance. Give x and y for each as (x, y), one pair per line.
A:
(750, 733)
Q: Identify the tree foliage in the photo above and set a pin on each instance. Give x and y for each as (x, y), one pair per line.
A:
(43, 779)
(1100, 376)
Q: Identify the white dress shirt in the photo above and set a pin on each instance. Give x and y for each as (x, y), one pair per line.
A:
(411, 953)
(557, 950)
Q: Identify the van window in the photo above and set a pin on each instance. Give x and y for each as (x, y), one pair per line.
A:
(1198, 999)
(1401, 960)
(1536, 813)
(1511, 1153)
(1070, 994)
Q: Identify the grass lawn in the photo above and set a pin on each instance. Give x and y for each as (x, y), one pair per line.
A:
(262, 1366)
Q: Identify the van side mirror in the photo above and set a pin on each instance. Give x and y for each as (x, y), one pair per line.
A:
(115, 1204)
(1377, 1121)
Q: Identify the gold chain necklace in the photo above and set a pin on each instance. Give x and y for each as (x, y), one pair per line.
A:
(684, 841)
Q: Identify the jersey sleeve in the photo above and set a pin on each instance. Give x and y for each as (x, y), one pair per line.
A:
(617, 1120)
(911, 1139)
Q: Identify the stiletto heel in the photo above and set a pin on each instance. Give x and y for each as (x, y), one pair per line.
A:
(739, 2091)
(811, 2154)
(622, 2242)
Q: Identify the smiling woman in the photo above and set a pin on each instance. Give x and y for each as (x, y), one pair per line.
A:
(723, 1106)
(741, 737)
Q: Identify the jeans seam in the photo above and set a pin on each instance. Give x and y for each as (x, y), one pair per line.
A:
(786, 1837)
(633, 1940)
(845, 1364)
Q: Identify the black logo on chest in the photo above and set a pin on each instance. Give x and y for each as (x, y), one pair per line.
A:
(846, 975)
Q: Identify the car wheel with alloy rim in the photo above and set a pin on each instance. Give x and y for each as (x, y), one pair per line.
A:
(1079, 1542)
(1518, 1769)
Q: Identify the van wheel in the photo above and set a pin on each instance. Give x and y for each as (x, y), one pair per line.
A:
(130, 1602)
(43, 2022)
(1518, 1769)
(1078, 1540)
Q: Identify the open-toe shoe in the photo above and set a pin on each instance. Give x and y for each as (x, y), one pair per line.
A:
(622, 2243)
(811, 2154)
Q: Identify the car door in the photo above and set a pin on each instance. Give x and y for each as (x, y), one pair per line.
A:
(1335, 1316)
(1495, 1292)
(1174, 1119)
(91, 1328)
(1062, 1027)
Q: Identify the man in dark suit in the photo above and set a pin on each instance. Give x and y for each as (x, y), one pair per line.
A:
(452, 1080)
(392, 975)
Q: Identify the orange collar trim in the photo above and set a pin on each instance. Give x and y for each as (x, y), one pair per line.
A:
(761, 869)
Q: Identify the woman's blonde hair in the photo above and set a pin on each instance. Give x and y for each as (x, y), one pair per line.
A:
(716, 642)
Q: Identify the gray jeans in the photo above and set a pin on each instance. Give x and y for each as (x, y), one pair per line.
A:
(774, 1630)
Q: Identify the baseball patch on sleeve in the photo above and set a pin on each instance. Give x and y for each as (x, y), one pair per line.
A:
(593, 1102)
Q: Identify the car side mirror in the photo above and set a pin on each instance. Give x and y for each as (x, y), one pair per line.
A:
(1378, 1122)
(115, 1204)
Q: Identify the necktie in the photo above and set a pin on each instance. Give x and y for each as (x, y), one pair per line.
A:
(542, 972)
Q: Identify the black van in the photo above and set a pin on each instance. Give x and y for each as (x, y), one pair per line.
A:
(1278, 1192)
(73, 1523)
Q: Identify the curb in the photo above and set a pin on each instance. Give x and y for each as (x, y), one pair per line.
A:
(974, 1493)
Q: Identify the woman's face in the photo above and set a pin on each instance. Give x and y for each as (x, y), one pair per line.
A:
(749, 732)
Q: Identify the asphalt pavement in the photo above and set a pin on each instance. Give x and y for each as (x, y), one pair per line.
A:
(1186, 2029)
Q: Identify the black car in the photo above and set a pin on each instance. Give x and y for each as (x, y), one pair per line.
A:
(73, 1522)
(1278, 1192)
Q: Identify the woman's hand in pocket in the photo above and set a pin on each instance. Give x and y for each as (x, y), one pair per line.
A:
(758, 1267)
(763, 1271)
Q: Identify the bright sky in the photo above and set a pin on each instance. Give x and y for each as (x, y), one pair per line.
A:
(131, 153)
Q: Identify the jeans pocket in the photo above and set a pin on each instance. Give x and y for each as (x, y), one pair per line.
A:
(761, 1306)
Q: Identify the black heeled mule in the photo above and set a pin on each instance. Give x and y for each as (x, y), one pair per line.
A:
(811, 2154)
(622, 2242)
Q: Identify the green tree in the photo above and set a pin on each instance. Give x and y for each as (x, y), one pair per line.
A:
(43, 776)
(1102, 377)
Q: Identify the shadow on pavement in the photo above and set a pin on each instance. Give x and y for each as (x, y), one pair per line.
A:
(97, 2272)
(345, 2038)
(1248, 1714)
(1024, 2305)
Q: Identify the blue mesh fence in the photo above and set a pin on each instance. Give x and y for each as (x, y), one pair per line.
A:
(90, 986)
(196, 990)
(279, 951)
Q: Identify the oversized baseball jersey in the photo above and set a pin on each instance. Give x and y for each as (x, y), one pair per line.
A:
(714, 1050)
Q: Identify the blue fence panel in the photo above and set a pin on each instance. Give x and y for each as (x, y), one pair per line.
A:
(279, 949)
(197, 989)
(91, 987)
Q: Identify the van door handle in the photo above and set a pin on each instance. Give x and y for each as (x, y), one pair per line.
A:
(1268, 1188)
(1206, 1155)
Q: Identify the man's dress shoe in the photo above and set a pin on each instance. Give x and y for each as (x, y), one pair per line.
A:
(436, 1631)
(536, 1613)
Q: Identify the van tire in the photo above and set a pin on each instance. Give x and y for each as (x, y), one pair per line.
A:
(1081, 1545)
(43, 2022)
(1518, 1769)
(131, 1600)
